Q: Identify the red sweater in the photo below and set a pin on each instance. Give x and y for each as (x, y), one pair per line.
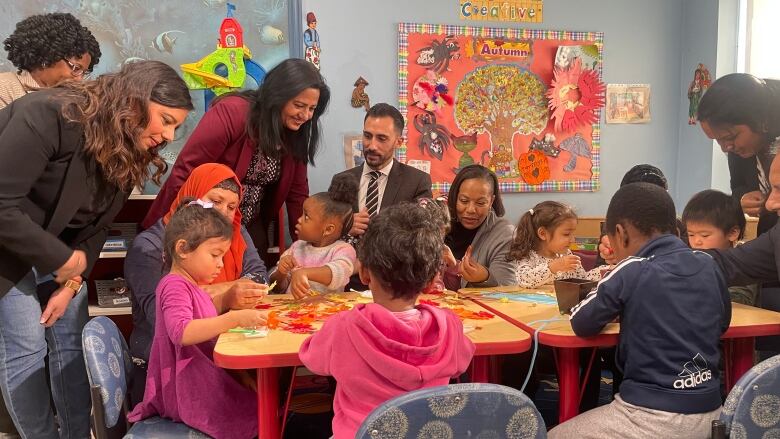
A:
(221, 137)
(375, 356)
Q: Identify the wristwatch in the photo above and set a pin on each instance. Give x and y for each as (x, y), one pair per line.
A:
(72, 284)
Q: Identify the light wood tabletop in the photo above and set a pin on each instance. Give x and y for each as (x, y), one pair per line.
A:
(746, 321)
(280, 348)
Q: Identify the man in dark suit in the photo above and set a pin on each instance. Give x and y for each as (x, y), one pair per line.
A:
(384, 181)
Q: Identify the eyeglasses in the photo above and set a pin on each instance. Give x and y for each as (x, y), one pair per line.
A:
(76, 70)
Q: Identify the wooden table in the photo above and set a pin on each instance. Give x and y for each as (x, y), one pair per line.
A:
(280, 349)
(747, 323)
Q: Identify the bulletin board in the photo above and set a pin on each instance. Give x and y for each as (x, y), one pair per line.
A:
(525, 103)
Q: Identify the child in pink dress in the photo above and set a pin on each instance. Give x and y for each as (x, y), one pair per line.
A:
(380, 350)
(183, 383)
(319, 261)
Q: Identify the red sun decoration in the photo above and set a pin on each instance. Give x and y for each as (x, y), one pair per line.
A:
(575, 94)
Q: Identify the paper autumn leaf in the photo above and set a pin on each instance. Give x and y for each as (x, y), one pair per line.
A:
(575, 95)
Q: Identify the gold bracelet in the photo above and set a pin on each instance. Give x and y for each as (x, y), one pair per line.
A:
(72, 284)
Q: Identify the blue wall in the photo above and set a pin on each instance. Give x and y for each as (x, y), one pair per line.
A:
(644, 42)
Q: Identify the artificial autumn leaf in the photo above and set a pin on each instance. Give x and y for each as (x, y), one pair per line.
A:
(428, 302)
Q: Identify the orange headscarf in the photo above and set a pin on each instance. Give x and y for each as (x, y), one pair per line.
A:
(201, 180)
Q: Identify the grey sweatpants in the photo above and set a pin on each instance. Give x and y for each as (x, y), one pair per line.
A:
(620, 419)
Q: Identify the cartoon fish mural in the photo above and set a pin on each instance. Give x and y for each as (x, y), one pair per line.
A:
(271, 35)
(165, 42)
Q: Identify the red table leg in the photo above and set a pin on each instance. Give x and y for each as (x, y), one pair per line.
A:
(480, 369)
(568, 363)
(742, 350)
(268, 403)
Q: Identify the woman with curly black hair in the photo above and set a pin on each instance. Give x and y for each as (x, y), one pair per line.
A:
(46, 50)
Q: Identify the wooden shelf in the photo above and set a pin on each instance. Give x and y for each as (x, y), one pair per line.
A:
(95, 310)
(112, 255)
(143, 196)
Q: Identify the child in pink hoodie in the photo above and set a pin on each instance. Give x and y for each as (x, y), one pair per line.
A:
(381, 350)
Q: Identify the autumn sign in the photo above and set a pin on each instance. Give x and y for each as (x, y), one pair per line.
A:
(492, 96)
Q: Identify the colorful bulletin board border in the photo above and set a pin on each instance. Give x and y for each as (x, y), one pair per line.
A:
(532, 52)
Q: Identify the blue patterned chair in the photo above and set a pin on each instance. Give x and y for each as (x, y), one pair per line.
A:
(752, 409)
(481, 411)
(108, 360)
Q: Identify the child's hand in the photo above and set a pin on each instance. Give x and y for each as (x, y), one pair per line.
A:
(472, 270)
(299, 284)
(245, 293)
(286, 264)
(564, 263)
(248, 318)
(448, 258)
(605, 251)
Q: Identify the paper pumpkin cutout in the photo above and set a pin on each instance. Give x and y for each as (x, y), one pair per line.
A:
(577, 146)
(431, 92)
(575, 95)
(534, 167)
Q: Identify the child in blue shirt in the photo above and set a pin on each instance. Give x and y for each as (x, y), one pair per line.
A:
(673, 306)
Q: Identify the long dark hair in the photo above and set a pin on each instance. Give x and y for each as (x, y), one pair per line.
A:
(467, 173)
(113, 109)
(264, 124)
(743, 99)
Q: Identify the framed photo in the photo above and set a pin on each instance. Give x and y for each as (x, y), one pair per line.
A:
(353, 150)
(628, 103)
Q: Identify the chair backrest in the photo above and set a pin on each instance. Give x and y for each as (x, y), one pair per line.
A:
(457, 410)
(108, 360)
(753, 405)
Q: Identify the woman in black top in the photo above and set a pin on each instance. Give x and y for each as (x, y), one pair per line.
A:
(69, 157)
(742, 113)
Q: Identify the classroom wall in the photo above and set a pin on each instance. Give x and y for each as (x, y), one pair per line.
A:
(697, 45)
(641, 45)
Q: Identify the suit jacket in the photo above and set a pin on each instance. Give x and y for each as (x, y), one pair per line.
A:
(404, 183)
(221, 137)
(42, 172)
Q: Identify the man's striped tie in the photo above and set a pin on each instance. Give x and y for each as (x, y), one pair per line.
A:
(372, 194)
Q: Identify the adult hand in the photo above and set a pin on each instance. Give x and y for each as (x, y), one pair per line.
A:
(299, 284)
(73, 267)
(751, 202)
(244, 293)
(248, 318)
(564, 263)
(360, 222)
(606, 252)
(472, 270)
(286, 265)
(57, 305)
(447, 257)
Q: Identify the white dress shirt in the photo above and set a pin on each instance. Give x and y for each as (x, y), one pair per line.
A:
(381, 182)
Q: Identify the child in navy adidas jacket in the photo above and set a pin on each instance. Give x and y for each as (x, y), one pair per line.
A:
(673, 305)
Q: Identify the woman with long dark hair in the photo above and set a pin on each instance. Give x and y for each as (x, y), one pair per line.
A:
(268, 137)
(742, 113)
(69, 157)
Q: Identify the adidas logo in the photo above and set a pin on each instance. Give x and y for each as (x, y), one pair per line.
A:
(694, 373)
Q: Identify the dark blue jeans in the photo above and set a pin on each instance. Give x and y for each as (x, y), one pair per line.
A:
(24, 343)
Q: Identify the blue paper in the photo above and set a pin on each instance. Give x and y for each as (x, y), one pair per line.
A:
(524, 297)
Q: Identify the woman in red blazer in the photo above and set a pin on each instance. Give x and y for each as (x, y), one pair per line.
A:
(268, 137)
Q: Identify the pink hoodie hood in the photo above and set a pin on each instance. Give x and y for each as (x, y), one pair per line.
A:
(375, 356)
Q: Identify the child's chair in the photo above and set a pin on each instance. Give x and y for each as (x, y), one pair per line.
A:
(752, 408)
(457, 410)
(108, 359)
